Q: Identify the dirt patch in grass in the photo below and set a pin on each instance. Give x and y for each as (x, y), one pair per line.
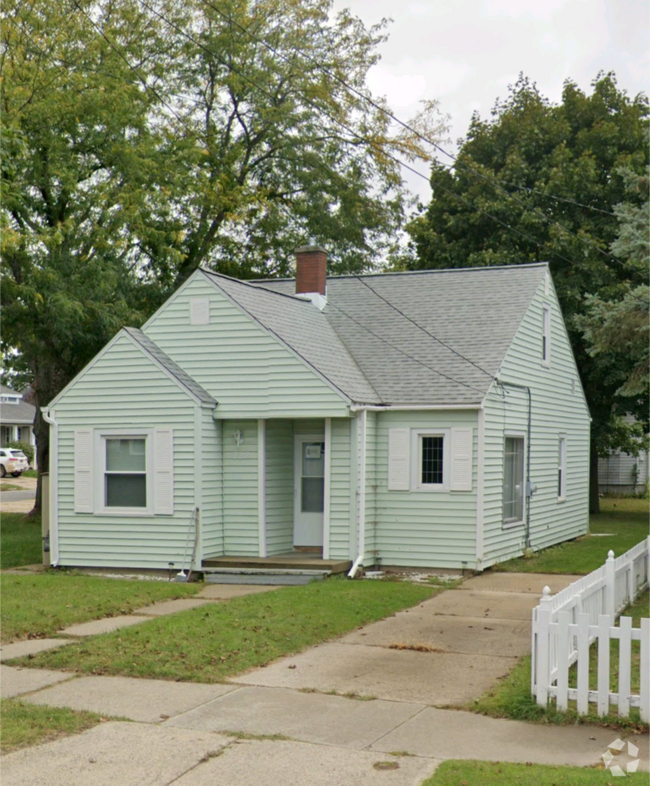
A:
(217, 641)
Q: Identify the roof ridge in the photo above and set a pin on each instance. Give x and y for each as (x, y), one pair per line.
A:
(429, 271)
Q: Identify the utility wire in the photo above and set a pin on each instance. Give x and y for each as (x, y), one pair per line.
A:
(409, 128)
(401, 351)
(423, 329)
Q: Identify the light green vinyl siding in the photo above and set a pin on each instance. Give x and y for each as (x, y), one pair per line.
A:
(240, 489)
(248, 371)
(279, 487)
(341, 508)
(125, 389)
(212, 486)
(425, 528)
(558, 409)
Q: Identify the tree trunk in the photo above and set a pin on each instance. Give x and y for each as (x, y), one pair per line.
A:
(46, 385)
(594, 499)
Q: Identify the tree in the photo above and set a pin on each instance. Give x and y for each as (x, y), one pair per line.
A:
(538, 182)
(622, 326)
(276, 149)
(143, 138)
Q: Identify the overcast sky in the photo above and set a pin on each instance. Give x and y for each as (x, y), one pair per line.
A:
(465, 53)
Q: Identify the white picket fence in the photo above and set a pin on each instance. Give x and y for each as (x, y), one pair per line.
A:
(566, 624)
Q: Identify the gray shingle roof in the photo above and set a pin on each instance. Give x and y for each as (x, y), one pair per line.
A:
(173, 368)
(475, 311)
(303, 328)
(21, 414)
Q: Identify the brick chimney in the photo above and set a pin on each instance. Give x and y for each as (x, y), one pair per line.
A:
(311, 270)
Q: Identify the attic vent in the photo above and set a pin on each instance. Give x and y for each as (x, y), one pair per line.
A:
(199, 311)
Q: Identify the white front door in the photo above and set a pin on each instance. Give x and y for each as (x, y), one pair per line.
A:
(309, 490)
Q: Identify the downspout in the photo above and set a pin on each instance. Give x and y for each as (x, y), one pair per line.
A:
(530, 489)
(358, 562)
(50, 419)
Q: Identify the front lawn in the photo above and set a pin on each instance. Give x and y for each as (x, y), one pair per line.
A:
(31, 724)
(39, 605)
(20, 540)
(485, 773)
(220, 640)
(623, 521)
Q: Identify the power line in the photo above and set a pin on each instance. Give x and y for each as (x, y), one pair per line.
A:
(423, 329)
(402, 352)
(409, 128)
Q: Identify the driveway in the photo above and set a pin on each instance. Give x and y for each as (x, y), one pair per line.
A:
(19, 501)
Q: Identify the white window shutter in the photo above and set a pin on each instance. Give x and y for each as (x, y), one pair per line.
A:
(399, 450)
(199, 311)
(163, 471)
(84, 445)
(462, 440)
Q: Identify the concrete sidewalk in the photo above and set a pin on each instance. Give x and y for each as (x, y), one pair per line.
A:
(277, 724)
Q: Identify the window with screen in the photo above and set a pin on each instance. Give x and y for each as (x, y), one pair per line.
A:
(513, 480)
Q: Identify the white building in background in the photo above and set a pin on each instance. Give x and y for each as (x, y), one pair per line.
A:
(16, 418)
(622, 473)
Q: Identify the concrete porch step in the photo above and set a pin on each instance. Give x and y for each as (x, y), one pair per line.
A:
(268, 576)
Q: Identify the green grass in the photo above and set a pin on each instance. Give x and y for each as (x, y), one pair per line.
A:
(216, 641)
(30, 473)
(511, 697)
(484, 773)
(31, 724)
(20, 540)
(38, 605)
(625, 518)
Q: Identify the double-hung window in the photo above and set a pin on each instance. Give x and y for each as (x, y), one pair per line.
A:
(561, 469)
(125, 472)
(513, 480)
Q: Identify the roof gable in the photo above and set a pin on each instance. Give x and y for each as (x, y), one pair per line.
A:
(475, 312)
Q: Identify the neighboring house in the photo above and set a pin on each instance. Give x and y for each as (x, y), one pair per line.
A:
(326, 421)
(16, 418)
(622, 473)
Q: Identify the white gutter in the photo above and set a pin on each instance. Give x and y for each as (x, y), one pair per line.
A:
(362, 497)
(50, 419)
(411, 407)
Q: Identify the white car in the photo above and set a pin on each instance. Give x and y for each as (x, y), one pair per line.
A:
(12, 462)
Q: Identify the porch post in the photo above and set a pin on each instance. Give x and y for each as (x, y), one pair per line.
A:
(326, 491)
(261, 486)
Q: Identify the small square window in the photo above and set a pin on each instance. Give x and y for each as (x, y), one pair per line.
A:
(429, 460)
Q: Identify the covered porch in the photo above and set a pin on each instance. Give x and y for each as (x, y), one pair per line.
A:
(285, 493)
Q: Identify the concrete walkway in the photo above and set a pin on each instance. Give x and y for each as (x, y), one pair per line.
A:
(278, 724)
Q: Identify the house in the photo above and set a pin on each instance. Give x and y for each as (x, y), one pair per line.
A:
(623, 473)
(16, 418)
(429, 419)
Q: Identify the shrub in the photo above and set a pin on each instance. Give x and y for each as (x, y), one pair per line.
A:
(27, 449)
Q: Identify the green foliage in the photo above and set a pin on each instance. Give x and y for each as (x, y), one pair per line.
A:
(38, 605)
(26, 448)
(216, 641)
(540, 182)
(31, 724)
(20, 540)
(497, 773)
